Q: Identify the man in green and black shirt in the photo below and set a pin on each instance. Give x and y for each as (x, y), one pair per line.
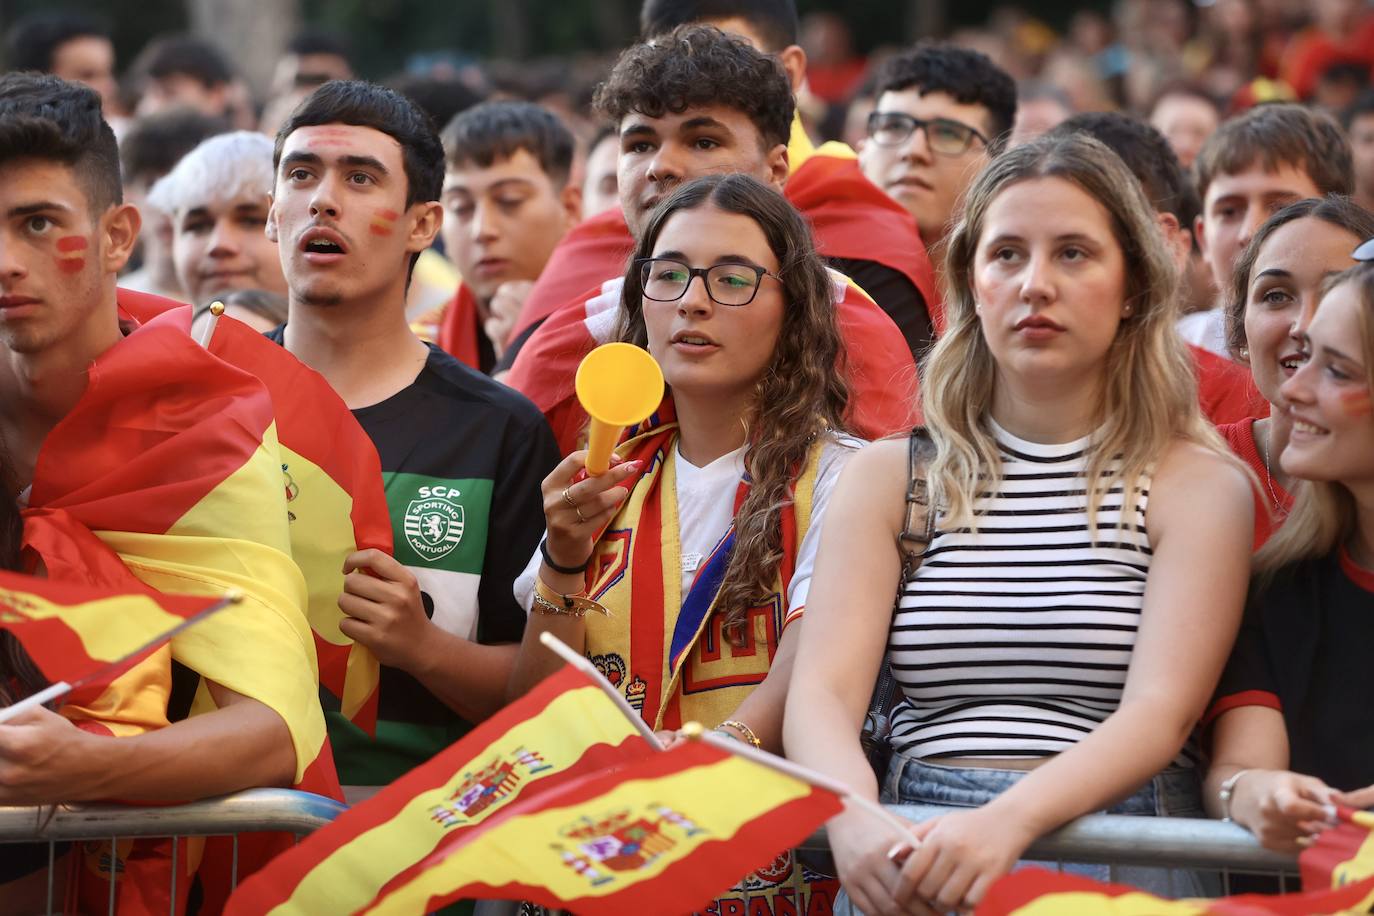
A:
(358, 175)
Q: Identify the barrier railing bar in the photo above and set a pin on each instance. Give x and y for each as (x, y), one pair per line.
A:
(1179, 842)
(254, 810)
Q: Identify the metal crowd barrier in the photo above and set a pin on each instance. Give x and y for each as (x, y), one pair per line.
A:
(1196, 844)
(251, 811)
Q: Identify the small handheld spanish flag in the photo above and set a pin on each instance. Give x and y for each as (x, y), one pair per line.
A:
(82, 637)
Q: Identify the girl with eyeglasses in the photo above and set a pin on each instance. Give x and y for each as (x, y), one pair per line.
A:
(1072, 612)
(1277, 283)
(698, 545)
(1292, 728)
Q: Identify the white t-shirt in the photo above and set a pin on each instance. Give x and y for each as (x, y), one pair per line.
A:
(705, 507)
(1206, 330)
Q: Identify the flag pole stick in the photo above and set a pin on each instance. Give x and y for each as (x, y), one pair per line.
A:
(564, 652)
(207, 332)
(51, 692)
(797, 771)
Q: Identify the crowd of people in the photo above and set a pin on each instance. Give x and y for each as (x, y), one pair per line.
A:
(1049, 402)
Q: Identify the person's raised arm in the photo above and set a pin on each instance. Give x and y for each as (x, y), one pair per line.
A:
(843, 638)
(574, 512)
(1200, 523)
(45, 759)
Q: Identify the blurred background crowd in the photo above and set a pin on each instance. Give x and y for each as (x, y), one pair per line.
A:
(174, 72)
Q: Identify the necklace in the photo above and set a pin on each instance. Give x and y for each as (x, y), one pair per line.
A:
(1268, 472)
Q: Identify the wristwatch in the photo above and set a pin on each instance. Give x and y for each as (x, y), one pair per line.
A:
(1227, 790)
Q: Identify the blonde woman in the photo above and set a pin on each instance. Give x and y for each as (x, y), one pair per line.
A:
(1075, 607)
(1292, 719)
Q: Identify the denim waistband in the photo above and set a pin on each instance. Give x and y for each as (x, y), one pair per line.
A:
(1177, 791)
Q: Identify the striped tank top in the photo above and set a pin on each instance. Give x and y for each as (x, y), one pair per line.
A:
(1013, 641)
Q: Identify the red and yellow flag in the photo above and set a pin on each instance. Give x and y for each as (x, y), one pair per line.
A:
(665, 834)
(1343, 856)
(332, 480)
(88, 636)
(566, 728)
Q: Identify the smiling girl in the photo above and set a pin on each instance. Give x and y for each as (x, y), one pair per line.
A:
(1292, 718)
(1278, 281)
(1084, 583)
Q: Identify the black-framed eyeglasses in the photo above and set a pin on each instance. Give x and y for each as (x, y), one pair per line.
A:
(944, 136)
(667, 279)
(1364, 251)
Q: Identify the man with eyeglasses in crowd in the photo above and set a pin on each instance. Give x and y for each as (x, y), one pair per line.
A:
(942, 113)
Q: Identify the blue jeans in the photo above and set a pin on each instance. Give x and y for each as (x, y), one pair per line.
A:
(1176, 792)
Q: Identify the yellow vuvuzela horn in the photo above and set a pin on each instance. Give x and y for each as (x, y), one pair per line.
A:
(619, 385)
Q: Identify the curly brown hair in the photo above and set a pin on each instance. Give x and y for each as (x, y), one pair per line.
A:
(697, 66)
(802, 392)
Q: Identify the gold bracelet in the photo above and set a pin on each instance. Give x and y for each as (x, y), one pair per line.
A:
(549, 601)
(744, 730)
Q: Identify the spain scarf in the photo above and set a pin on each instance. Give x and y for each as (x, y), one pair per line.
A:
(667, 652)
(675, 664)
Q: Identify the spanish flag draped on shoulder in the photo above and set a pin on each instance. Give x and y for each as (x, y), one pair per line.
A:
(333, 484)
(170, 458)
(1337, 877)
(87, 636)
(567, 727)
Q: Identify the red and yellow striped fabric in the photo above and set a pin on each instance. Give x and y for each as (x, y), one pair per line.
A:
(565, 728)
(1343, 856)
(666, 834)
(332, 479)
(170, 459)
(88, 636)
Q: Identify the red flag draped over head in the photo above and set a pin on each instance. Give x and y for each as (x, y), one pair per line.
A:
(880, 371)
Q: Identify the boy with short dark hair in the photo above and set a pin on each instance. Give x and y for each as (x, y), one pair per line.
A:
(359, 170)
(175, 70)
(507, 203)
(1253, 166)
(942, 113)
(71, 46)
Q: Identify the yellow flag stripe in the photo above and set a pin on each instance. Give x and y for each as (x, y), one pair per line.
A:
(535, 848)
(261, 647)
(585, 716)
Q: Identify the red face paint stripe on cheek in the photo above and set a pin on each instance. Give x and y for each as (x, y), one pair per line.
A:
(382, 221)
(71, 265)
(72, 243)
(1357, 403)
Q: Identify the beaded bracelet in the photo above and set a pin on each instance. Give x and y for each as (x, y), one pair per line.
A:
(745, 731)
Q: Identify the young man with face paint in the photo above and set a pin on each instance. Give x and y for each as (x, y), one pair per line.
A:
(722, 122)
(507, 202)
(359, 170)
(65, 358)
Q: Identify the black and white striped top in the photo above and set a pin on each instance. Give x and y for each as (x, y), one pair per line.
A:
(1014, 641)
